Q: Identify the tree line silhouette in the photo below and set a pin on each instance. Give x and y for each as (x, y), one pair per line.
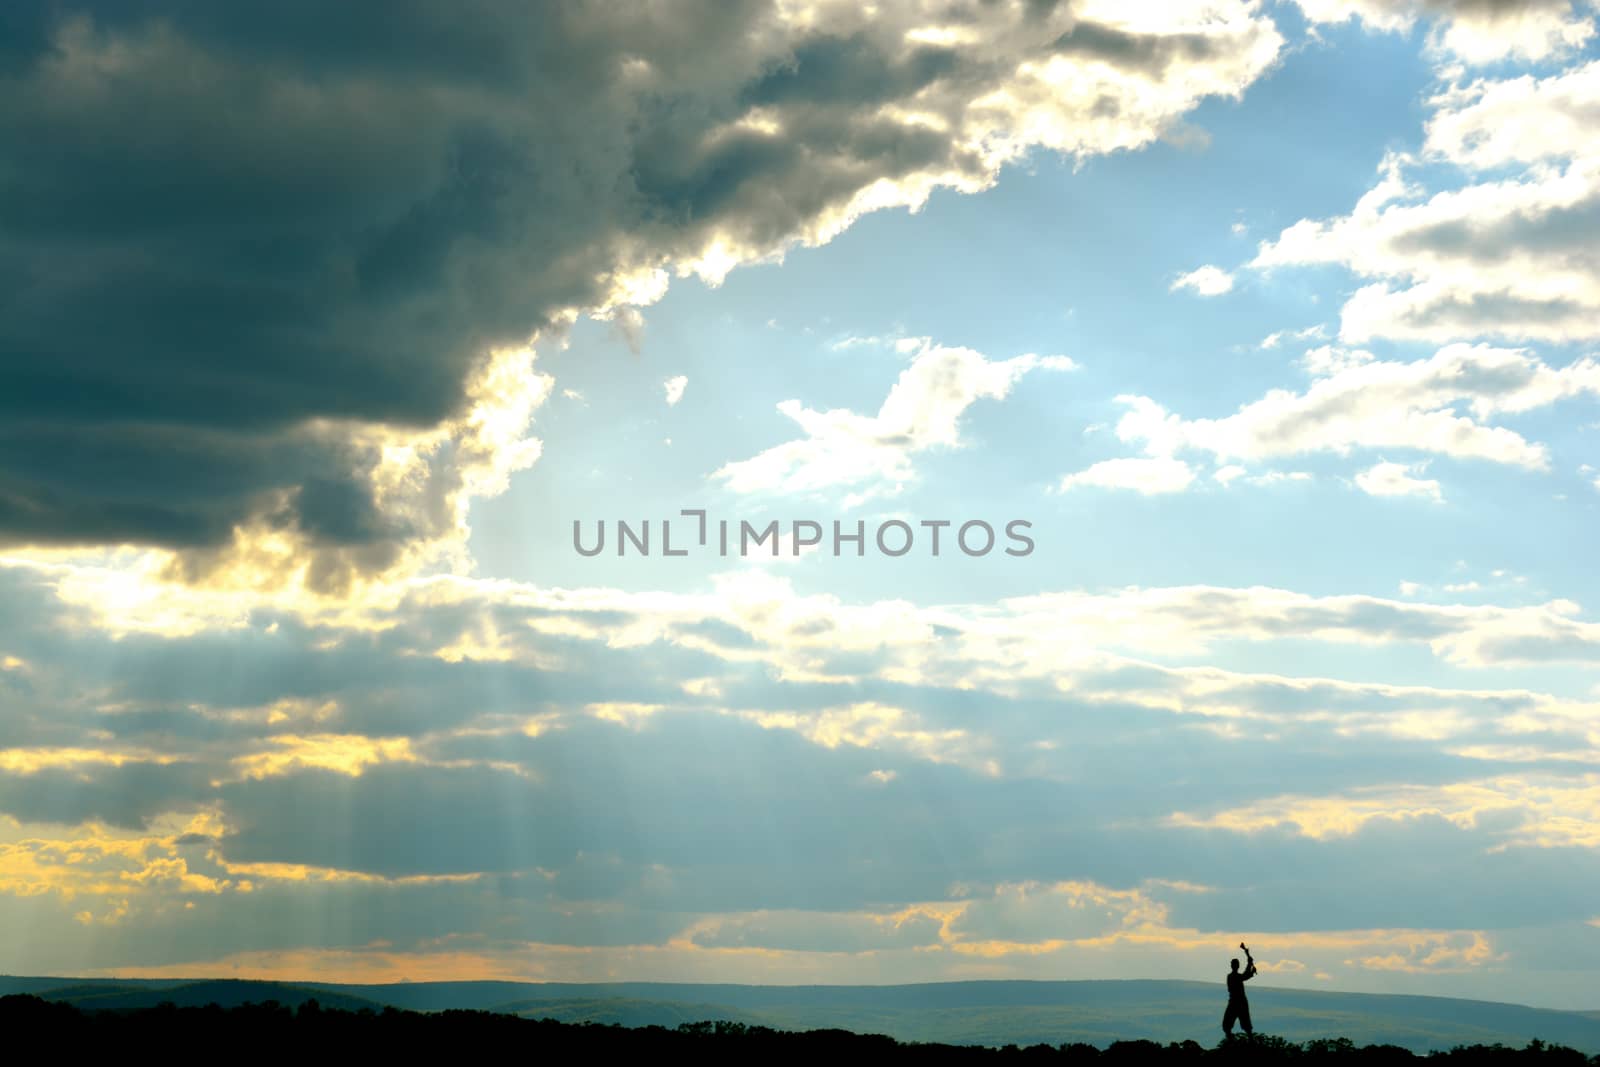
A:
(264, 1029)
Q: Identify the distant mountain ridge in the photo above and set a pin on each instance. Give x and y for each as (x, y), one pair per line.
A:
(985, 1013)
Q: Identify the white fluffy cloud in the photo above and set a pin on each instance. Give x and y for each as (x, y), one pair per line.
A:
(1149, 475)
(1509, 253)
(674, 387)
(1232, 472)
(1316, 332)
(1398, 479)
(872, 454)
(1205, 281)
(1440, 405)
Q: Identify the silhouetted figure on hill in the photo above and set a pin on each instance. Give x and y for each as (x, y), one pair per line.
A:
(1238, 1006)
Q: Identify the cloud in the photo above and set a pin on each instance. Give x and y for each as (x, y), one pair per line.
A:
(880, 727)
(674, 387)
(1442, 405)
(1204, 281)
(805, 931)
(1398, 479)
(492, 764)
(1234, 472)
(1309, 333)
(627, 324)
(127, 794)
(872, 454)
(323, 253)
(1158, 474)
(1472, 30)
(1504, 254)
(1018, 914)
(349, 754)
(1327, 360)
(1357, 402)
(904, 345)
(1530, 809)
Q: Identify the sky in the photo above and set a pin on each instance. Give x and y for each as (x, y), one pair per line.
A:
(1263, 335)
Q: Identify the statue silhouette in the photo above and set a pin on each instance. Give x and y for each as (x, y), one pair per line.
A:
(1238, 1006)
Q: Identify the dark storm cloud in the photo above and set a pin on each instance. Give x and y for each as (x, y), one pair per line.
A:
(219, 223)
(849, 69)
(126, 796)
(1143, 52)
(217, 233)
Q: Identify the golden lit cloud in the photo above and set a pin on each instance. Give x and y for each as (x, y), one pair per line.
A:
(1543, 810)
(346, 753)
